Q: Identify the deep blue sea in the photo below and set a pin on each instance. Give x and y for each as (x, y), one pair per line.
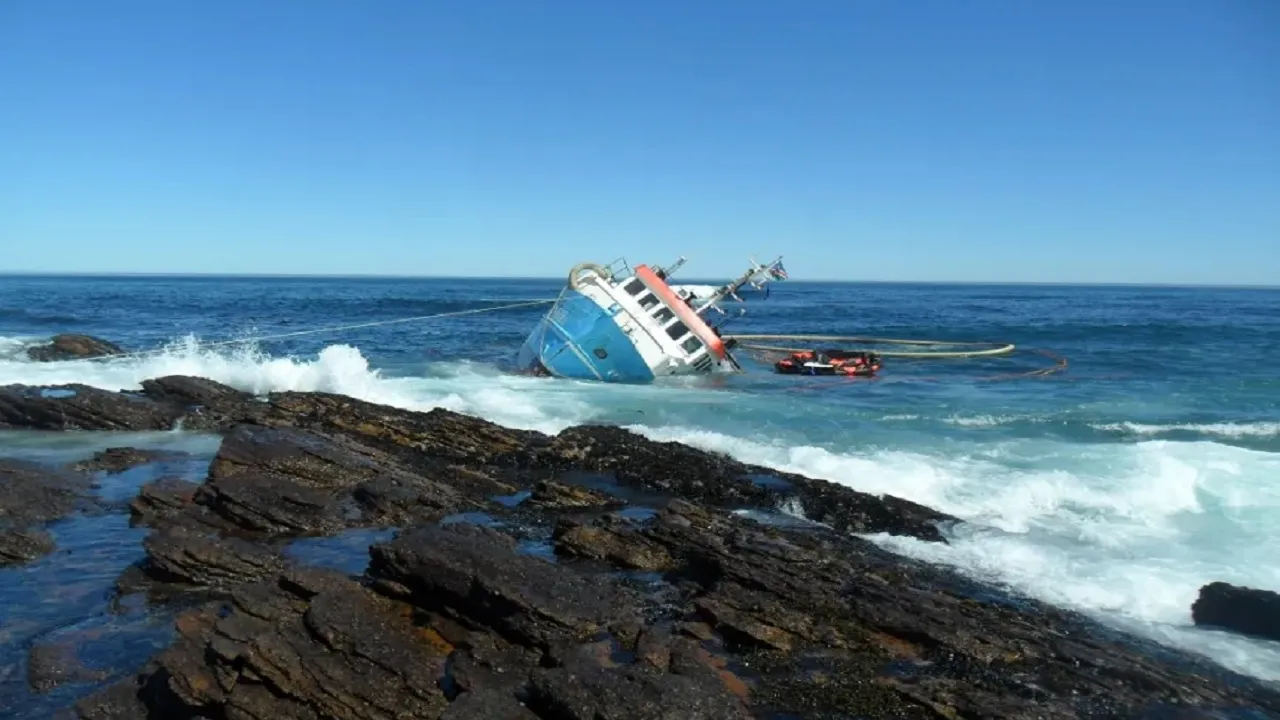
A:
(1118, 487)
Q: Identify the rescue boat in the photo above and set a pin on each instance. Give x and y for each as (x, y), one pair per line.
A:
(611, 323)
(848, 363)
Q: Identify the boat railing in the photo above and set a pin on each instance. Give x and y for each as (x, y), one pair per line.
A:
(619, 269)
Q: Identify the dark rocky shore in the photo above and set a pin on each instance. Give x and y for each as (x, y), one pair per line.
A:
(590, 575)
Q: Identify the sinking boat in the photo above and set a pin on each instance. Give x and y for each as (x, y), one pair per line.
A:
(616, 324)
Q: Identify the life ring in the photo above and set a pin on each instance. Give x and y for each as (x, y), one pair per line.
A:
(574, 283)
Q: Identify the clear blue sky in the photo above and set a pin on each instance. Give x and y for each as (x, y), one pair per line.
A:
(1078, 140)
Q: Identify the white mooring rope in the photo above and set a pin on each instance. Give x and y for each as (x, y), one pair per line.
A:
(317, 331)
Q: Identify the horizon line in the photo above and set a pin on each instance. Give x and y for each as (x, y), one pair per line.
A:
(542, 278)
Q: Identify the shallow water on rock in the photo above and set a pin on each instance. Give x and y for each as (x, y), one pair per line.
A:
(346, 552)
(540, 549)
(514, 499)
(606, 483)
(475, 518)
(66, 600)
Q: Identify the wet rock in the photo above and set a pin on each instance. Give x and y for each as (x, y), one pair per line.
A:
(753, 620)
(177, 555)
(1240, 609)
(23, 546)
(682, 471)
(289, 481)
(476, 572)
(33, 493)
(835, 624)
(49, 666)
(835, 505)
(485, 664)
(667, 467)
(487, 705)
(612, 540)
(697, 630)
(552, 495)
(162, 499)
(304, 644)
(30, 496)
(73, 347)
(653, 646)
(81, 407)
(304, 457)
(118, 701)
(421, 440)
(192, 391)
(163, 404)
(585, 689)
(118, 459)
(396, 499)
(270, 504)
(708, 661)
(204, 404)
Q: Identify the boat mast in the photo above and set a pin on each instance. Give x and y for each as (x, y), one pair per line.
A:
(732, 288)
(668, 272)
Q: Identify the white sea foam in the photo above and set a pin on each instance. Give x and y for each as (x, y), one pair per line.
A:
(1234, 430)
(1128, 533)
(514, 401)
(984, 420)
(1225, 429)
(14, 349)
(1125, 531)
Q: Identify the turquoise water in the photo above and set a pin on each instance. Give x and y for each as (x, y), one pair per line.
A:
(1149, 467)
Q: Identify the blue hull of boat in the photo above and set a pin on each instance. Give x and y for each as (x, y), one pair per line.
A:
(578, 339)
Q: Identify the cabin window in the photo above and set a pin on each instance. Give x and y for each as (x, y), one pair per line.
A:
(677, 330)
(634, 287)
(648, 301)
(692, 345)
(663, 314)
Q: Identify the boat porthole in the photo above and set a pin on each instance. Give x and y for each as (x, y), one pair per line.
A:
(600, 353)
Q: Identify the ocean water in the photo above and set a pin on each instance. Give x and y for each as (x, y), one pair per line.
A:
(1117, 487)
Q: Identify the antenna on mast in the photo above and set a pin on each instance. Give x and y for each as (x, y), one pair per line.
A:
(757, 276)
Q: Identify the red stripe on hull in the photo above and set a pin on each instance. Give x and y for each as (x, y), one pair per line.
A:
(682, 310)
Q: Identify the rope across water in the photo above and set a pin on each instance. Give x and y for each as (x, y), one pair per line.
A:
(332, 329)
(980, 349)
(971, 349)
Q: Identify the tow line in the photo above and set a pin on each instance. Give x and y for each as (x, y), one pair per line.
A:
(853, 345)
(333, 329)
(989, 348)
